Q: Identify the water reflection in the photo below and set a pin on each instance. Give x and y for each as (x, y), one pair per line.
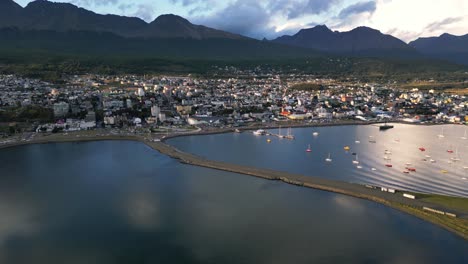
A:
(437, 171)
(120, 202)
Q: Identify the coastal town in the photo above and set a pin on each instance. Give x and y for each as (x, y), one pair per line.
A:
(163, 103)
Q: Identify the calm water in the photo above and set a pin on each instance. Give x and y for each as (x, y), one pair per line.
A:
(443, 176)
(121, 202)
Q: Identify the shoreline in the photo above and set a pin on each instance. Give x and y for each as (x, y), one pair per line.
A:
(395, 201)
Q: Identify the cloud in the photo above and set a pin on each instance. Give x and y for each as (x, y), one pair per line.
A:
(434, 26)
(358, 8)
(94, 2)
(145, 12)
(310, 7)
(242, 17)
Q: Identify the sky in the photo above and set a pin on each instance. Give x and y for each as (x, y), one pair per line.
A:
(405, 19)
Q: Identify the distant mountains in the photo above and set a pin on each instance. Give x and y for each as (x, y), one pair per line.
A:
(68, 29)
(446, 46)
(63, 17)
(361, 41)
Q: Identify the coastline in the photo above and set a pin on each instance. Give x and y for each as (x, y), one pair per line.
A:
(458, 225)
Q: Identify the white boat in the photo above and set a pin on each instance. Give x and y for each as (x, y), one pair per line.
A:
(259, 132)
(329, 158)
(428, 156)
(356, 161)
(289, 135)
(407, 163)
(465, 167)
(357, 142)
(315, 134)
(372, 139)
(441, 135)
(464, 135)
(359, 167)
(237, 130)
(432, 161)
(456, 158)
(373, 169)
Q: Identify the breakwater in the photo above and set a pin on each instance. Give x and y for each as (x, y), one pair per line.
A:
(372, 193)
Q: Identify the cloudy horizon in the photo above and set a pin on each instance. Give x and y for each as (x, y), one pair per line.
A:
(404, 19)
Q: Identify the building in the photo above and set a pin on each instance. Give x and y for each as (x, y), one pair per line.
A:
(61, 109)
(155, 110)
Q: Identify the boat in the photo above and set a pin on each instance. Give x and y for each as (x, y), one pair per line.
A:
(358, 167)
(371, 139)
(357, 142)
(237, 130)
(463, 178)
(259, 132)
(449, 151)
(354, 153)
(465, 167)
(385, 126)
(329, 158)
(411, 169)
(289, 135)
(347, 148)
(443, 171)
(268, 140)
(387, 158)
(308, 149)
(356, 161)
(456, 158)
(428, 156)
(432, 161)
(373, 169)
(388, 152)
(405, 171)
(464, 135)
(407, 164)
(388, 165)
(422, 149)
(315, 134)
(441, 135)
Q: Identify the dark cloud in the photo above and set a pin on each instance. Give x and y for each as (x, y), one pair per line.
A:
(358, 8)
(440, 24)
(310, 7)
(244, 17)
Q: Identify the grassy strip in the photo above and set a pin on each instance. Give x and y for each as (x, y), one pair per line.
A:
(455, 225)
(456, 203)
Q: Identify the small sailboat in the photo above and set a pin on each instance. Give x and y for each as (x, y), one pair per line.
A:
(388, 165)
(356, 161)
(308, 149)
(407, 164)
(315, 134)
(329, 158)
(432, 161)
(456, 158)
(373, 169)
(405, 171)
(289, 135)
(443, 171)
(372, 139)
(422, 149)
(346, 148)
(358, 167)
(357, 141)
(464, 136)
(387, 158)
(441, 135)
(268, 140)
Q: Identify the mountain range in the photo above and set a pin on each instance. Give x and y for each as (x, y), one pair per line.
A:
(63, 27)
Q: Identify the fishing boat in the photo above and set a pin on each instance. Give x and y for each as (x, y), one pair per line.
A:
(315, 134)
(441, 135)
(308, 149)
(329, 158)
(259, 132)
(385, 126)
(356, 161)
(347, 148)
